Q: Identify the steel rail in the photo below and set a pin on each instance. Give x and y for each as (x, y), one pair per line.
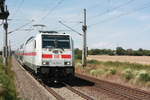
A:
(56, 95)
(124, 91)
(78, 92)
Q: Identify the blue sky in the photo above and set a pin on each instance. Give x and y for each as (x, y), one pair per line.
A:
(111, 23)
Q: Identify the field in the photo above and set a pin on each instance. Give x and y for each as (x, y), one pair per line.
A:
(132, 71)
(131, 59)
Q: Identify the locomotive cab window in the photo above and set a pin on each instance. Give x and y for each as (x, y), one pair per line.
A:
(56, 41)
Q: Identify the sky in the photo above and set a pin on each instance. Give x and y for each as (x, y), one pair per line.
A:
(111, 23)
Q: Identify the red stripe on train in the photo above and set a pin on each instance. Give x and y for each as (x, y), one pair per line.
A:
(28, 54)
(66, 56)
(56, 56)
(46, 56)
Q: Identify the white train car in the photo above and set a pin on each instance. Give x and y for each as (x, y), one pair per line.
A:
(50, 55)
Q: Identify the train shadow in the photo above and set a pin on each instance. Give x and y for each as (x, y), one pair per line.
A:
(74, 82)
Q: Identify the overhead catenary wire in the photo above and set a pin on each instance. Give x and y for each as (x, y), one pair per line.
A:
(70, 28)
(21, 27)
(120, 15)
(52, 9)
(73, 22)
(48, 13)
(18, 8)
(108, 11)
(111, 10)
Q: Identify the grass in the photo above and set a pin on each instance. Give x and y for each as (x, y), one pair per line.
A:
(144, 76)
(131, 73)
(112, 71)
(7, 84)
(97, 72)
(128, 74)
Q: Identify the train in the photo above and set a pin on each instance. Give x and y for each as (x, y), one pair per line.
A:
(49, 55)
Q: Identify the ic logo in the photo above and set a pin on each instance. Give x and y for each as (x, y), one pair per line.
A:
(56, 56)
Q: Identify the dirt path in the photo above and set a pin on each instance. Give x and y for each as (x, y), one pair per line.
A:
(27, 87)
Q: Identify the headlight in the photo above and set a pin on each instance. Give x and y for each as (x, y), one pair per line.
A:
(45, 63)
(67, 63)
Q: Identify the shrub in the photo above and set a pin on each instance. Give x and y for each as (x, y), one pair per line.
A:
(144, 76)
(112, 71)
(78, 53)
(93, 62)
(78, 56)
(7, 84)
(97, 72)
(128, 74)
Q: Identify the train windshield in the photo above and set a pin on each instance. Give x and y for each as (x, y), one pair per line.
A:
(56, 41)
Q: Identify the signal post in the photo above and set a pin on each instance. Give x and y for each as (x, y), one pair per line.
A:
(84, 51)
(3, 16)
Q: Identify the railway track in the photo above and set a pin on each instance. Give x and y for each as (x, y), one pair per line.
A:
(59, 97)
(54, 92)
(78, 92)
(117, 90)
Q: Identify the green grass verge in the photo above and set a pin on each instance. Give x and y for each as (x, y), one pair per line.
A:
(128, 71)
(7, 83)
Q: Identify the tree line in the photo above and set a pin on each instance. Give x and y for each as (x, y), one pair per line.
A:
(119, 51)
(131, 52)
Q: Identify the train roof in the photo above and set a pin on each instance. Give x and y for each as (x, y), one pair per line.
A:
(52, 32)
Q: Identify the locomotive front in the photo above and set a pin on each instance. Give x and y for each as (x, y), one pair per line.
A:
(57, 60)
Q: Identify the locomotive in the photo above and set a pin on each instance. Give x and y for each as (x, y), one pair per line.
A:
(49, 55)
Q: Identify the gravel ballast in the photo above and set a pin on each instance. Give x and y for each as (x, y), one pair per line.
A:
(27, 87)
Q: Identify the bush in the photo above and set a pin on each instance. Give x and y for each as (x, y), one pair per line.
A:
(128, 74)
(112, 71)
(78, 56)
(7, 83)
(78, 53)
(93, 62)
(144, 76)
(97, 72)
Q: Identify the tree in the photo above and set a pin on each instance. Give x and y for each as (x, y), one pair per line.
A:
(120, 51)
(78, 53)
(129, 52)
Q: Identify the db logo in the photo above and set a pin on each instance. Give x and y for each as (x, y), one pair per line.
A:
(56, 56)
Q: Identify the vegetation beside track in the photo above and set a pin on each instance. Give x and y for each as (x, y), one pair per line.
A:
(7, 82)
(132, 73)
(118, 51)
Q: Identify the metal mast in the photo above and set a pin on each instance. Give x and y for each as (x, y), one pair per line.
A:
(3, 16)
(84, 52)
